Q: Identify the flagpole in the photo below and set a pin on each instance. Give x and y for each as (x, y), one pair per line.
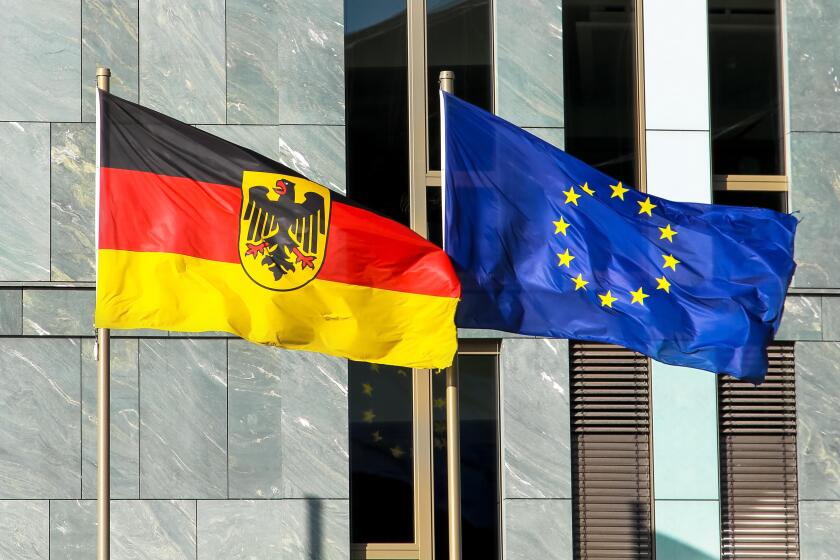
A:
(103, 395)
(446, 79)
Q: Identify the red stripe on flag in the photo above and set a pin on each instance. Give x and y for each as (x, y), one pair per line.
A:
(146, 212)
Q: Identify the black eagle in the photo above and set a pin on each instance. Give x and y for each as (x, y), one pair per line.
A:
(283, 231)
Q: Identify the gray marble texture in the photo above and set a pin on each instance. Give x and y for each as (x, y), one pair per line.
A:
(537, 529)
(313, 425)
(318, 152)
(240, 529)
(73, 529)
(802, 319)
(529, 62)
(40, 69)
(254, 418)
(554, 136)
(253, 61)
(182, 59)
(815, 193)
(11, 314)
(311, 65)
(261, 139)
(73, 192)
(109, 38)
(818, 419)
(536, 446)
(40, 427)
(125, 421)
(831, 318)
(183, 424)
(819, 530)
(153, 530)
(24, 530)
(315, 529)
(24, 196)
(814, 76)
(64, 312)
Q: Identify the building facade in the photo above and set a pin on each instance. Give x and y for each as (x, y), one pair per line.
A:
(223, 449)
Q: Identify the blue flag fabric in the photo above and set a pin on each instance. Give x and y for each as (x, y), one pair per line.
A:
(546, 245)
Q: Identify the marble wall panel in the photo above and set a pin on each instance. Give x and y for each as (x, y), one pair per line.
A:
(40, 429)
(315, 529)
(802, 319)
(261, 139)
(318, 152)
(254, 413)
(125, 420)
(831, 318)
(536, 447)
(109, 38)
(311, 62)
(11, 311)
(554, 136)
(537, 529)
(529, 62)
(253, 59)
(73, 193)
(24, 529)
(815, 194)
(183, 423)
(41, 64)
(818, 419)
(182, 59)
(61, 312)
(153, 529)
(314, 425)
(73, 529)
(819, 530)
(240, 530)
(24, 197)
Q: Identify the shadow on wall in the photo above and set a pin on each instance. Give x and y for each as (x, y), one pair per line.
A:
(314, 511)
(667, 548)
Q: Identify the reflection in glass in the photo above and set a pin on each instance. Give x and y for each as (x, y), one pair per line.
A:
(381, 449)
(375, 59)
(745, 89)
(773, 200)
(599, 84)
(479, 406)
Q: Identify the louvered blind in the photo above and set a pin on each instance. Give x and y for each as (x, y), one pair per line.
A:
(759, 513)
(610, 452)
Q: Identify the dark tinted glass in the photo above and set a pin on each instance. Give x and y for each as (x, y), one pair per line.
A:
(381, 465)
(459, 35)
(375, 58)
(745, 91)
(598, 76)
(479, 406)
(757, 199)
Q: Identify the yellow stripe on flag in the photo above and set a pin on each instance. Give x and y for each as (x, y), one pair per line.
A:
(175, 292)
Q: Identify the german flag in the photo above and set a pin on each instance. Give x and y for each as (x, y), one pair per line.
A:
(198, 234)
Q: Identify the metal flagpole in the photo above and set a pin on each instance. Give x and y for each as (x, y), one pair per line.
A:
(103, 397)
(446, 79)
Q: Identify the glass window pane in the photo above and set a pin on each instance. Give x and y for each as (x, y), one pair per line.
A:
(599, 83)
(773, 200)
(381, 451)
(459, 38)
(745, 89)
(479, 408)
(376, 74)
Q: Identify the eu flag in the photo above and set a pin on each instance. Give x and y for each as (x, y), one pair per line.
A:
(546, 245)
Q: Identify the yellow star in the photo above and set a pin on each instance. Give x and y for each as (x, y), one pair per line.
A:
(571, 196)
(607, 299)
(376, 436)
(565, 258)
(368, 416)
(402, 373)
(646, 206)
(440, 443)
(397, 452)
(374, 368)
(663, 284)
(579, 282)
(667, 233)
(671, 262)
(367, 389)
(561, 226)
(587, 190)
(618, 191)
(638, 296)
(440, 402)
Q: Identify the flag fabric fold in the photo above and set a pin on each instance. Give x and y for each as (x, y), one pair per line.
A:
(195, 233)
(546, 245)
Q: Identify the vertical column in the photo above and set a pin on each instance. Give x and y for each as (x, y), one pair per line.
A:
(685, 445)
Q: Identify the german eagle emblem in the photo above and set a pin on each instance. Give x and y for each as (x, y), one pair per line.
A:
(283, 229)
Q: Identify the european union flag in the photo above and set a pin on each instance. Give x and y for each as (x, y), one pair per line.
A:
(546, 245)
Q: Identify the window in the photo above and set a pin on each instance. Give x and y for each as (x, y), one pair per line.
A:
(611, 450)
(759, 510)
